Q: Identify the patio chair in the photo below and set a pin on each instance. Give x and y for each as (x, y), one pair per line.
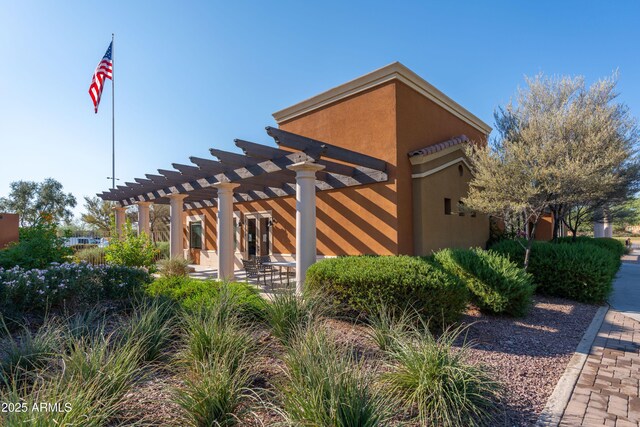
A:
(266, 268)
(253, 271)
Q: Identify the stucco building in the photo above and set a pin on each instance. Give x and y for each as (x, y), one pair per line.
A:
(9, 229)
(385, 169)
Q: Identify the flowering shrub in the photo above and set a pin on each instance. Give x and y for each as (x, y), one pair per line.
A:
(68, 284)
(131, 249)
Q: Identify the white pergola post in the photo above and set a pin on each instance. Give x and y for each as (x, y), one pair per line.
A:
(305, 218)
(176, 247)
(225, 230)
(144, 226)
(120, 218)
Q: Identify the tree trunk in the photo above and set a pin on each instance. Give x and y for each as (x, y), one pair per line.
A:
(557, 218)
(530, 239)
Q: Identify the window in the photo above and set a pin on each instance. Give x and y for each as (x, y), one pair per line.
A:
(460, 170)
(195, 235)
(460, 208)
(447, 206)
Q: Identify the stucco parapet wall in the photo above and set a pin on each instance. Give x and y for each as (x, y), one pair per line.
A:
(392, 72)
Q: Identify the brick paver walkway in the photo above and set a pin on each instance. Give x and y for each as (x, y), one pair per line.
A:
(607, 392)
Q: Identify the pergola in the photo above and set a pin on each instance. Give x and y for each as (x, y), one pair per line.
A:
(298, 167)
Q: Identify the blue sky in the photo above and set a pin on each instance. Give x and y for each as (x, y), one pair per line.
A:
(194, 75)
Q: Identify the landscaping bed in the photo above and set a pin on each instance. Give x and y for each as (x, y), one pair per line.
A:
(528, 355)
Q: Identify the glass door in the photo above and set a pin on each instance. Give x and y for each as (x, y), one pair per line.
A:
(257, 234)
(252, 229)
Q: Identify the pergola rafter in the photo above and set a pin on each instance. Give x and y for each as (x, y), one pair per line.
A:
(261, 172)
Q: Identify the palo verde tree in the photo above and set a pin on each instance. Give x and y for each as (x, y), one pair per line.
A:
(33, 200)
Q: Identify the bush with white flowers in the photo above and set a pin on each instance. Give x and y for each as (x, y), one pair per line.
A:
(68, 284)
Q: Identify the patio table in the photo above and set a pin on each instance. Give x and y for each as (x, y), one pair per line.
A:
(282, 264)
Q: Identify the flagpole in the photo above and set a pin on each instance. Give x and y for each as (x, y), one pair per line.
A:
(113, 117)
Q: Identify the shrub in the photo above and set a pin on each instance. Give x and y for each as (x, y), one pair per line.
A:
(194, 294)
(326, 387)
(174, 267)
(95, 255)
(497, 285)
(38, 247)
(616, 247)
(164, 250)
(358, 283)
(66, 284)
(581, 271)
(131, 249)
(438, 379)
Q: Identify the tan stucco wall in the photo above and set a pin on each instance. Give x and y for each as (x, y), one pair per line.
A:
(358, 220)
(8, 229)
(432, 228)
(420, 123)
(385, 122)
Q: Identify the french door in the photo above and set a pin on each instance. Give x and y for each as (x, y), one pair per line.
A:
(257, 234)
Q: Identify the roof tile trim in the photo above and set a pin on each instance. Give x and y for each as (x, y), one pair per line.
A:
(439, 146)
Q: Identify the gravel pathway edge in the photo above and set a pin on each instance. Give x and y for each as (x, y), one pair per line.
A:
(557, 402)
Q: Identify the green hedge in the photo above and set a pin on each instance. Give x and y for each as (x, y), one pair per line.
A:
(614, 246)
(193, 294)
(497, 285)
(581, 271)
(358, 283)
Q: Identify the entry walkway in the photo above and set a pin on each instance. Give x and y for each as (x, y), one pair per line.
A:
(608, 390)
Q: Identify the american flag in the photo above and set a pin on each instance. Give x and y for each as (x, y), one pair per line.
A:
(104, 70)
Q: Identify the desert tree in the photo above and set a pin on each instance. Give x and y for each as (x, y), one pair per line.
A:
(98, 214)
(590, 143)
(31, 200)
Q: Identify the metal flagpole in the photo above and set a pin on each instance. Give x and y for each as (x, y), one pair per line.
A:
(113, 116)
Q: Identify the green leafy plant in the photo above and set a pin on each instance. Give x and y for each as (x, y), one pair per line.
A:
(130, 249)
(497, 285)
(39, 246)
(354, 284)
(437, 378)
(581, 271)
(194, 294)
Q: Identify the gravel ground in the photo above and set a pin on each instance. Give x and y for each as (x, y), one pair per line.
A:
(528, 355)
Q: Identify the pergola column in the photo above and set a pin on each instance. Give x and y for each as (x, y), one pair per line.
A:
(176, 247)
(120, 212)
(306, 252)
(144, 226)
(225, 229)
